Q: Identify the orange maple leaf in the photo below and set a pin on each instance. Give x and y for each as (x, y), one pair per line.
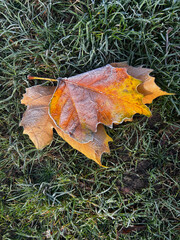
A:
(79, 105)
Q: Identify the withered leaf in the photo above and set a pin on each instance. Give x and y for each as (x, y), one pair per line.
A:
(79, 105)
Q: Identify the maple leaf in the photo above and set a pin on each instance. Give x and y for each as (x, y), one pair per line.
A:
(105, 95)
(79, 105)
(39, 126)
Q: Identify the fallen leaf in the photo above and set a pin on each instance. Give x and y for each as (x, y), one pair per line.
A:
(39, 126)
(105, 95)
(79, 105)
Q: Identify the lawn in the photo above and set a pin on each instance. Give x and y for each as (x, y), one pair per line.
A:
(57, 193)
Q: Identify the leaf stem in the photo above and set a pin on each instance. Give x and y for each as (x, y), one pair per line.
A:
(46, 79)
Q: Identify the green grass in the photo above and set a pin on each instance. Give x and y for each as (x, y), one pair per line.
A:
(58, 193)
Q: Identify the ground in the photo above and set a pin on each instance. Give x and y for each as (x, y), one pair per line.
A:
(57, 193)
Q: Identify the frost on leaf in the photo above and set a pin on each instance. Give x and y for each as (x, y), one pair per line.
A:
(80, 105)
